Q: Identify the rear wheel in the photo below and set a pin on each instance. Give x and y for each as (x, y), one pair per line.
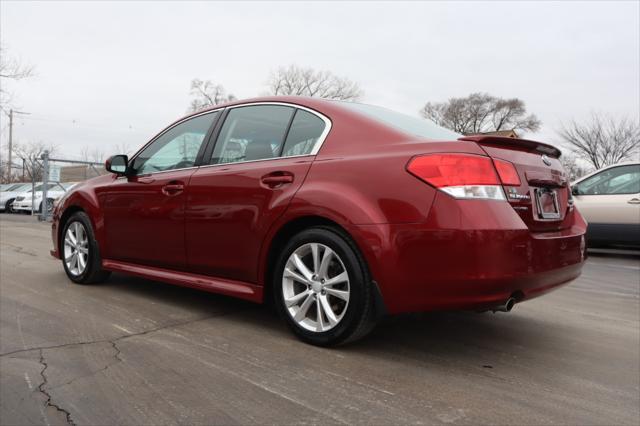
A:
(49, 205)
(79, 251)
(322, 288)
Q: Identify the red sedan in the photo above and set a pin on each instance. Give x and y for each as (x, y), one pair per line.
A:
(339, 212)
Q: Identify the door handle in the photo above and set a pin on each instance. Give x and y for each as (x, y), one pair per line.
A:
(634, 201)
(275, 179)
(172, 189)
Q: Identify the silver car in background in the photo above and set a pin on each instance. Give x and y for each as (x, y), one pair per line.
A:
(9, 193)
(609, 199)
(32, 201)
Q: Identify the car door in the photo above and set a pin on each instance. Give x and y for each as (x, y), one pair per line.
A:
(261, 157)
(144, 212)
(610, 201)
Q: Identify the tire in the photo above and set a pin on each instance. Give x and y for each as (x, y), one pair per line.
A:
(309, 298)
(8, 206)
(79, 227)
(49, 206)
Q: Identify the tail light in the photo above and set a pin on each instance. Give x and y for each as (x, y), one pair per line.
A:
(464, 175)
(507, 172)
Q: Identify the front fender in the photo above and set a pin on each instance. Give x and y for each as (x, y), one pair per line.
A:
(83, 197)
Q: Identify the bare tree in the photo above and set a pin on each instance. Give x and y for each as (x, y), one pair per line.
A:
(95, 155)
(572, 167)
(481, 112)
(123, 148)
(298, 81)
(31, 155)
(604, 140)
(11, 69)
(206, 94)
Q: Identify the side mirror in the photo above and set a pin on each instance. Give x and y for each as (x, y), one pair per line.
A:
(575, 191)
(117, 164)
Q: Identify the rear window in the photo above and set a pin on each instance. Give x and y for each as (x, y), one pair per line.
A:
(412, 125)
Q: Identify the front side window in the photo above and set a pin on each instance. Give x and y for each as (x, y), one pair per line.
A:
(252, 133)
(617, 180)
(177, 148)
(306, 129)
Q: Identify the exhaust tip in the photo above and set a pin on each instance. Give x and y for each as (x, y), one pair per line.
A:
(510, 304)
(507, 306)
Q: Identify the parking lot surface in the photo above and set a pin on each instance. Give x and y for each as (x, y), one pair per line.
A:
(132, 351)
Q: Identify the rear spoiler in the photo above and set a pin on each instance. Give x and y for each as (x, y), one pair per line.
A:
(514, 143)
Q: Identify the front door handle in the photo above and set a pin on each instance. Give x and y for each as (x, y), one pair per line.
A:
(275, 179)
(173, 188)
(634, 201)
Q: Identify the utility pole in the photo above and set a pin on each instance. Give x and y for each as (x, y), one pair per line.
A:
(10, 163)
(10, 143)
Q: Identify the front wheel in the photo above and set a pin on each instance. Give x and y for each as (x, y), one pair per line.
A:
(8, 206)
(323, 289)
(79, 251)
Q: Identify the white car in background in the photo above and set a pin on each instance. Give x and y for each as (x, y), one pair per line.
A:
(25, 200)
(609, 199)
(8, 194)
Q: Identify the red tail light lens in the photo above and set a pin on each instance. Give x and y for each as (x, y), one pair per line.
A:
(442, 170)
(507, 172)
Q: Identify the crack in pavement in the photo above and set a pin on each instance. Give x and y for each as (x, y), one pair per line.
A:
(116, 355)
(21, 250)
(122, 337)
(49, 402)
(93, 373)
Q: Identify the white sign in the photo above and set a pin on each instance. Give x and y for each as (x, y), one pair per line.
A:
(54, 173)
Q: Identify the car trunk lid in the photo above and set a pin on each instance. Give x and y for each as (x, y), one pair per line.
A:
(543, 198)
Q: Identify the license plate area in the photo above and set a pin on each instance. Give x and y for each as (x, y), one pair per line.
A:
(547, 203)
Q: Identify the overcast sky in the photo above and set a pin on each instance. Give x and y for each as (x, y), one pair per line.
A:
(114, 72)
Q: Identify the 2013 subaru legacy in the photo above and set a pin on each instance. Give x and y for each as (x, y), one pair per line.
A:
(338, 212)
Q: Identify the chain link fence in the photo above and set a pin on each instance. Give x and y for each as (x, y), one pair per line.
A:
(58, 176)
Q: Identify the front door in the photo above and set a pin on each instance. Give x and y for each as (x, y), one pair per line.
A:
(260, 159)
(144, 212)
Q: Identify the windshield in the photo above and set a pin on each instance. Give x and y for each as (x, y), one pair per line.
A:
(40, 187)
(21, 187)
(15, 187)
(412, 125)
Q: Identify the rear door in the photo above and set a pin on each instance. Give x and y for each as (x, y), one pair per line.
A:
(261, 157)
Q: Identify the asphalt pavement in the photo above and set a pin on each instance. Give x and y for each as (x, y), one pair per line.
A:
(132, 351)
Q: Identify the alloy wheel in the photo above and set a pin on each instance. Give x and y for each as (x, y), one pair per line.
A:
(315, 286)
(76, 248)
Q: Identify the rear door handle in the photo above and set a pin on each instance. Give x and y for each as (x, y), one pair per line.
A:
(276, 179)
(634, 201)
(173, 188)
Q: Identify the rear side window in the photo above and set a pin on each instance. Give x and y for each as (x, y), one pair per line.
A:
(252, 133)
(304, 133)
(420, 127)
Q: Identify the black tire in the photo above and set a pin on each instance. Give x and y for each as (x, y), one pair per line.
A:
(359, 318)
(8, 206)
(93, 272)
(49, 206)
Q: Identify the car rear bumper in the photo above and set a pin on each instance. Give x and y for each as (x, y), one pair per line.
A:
(489, 256)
